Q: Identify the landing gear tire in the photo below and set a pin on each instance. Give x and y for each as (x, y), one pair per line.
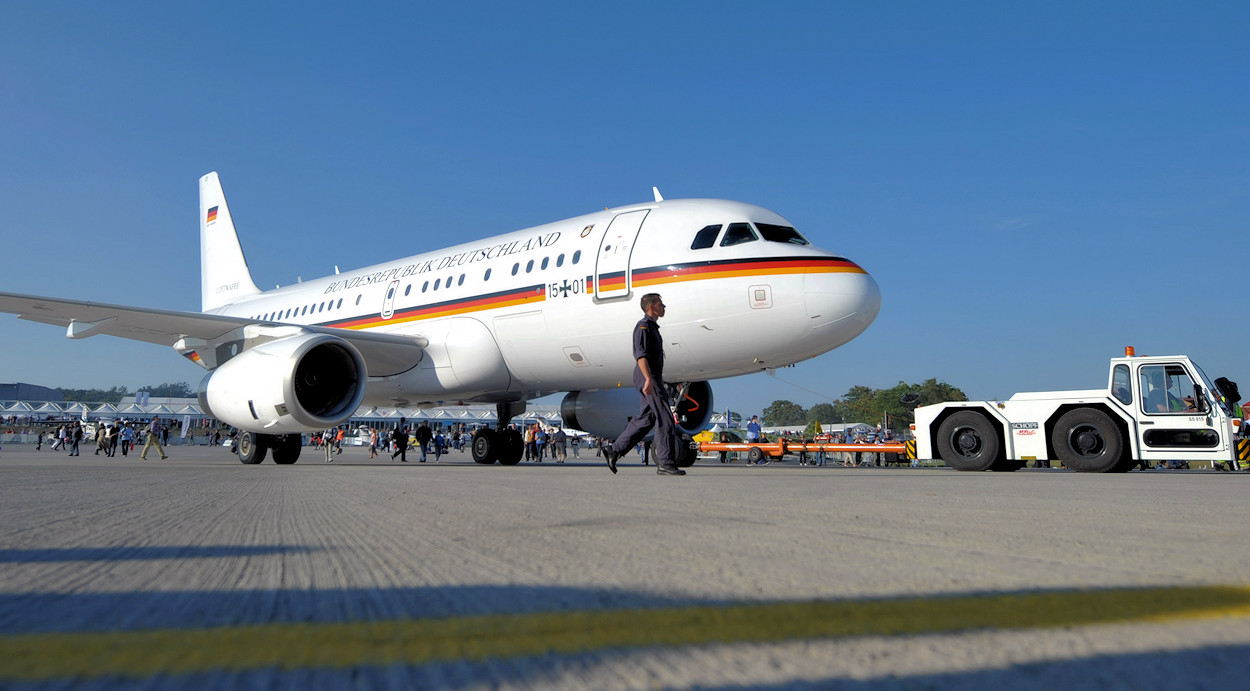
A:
(286, 448)
(512, 449)
(251, 447)
(485, 446)
(685, 455)
(1087, 441)
(967, 441)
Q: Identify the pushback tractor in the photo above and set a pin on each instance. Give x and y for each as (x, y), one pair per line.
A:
(1154, 409)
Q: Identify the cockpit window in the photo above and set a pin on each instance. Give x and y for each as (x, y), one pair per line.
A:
(774, 233)
(738, 233)
(705, 238)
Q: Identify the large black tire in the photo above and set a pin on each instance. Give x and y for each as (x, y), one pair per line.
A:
(286, 448)
(755, 454)
(251, 447)
(968, 441)
(485, 446)
(685, 455)
(1087, 441)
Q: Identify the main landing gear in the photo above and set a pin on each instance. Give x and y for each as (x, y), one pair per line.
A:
(502, 444)
(252, 447)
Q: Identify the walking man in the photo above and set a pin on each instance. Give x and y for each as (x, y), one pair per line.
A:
(327, 445)
(154, 439)
(400, 437)
(654, 410)
(128, 439)
(424, 437)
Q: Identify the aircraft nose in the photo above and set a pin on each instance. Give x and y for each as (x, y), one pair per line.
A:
(841, 305)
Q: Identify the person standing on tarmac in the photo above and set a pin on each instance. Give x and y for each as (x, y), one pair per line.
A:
(654, 409)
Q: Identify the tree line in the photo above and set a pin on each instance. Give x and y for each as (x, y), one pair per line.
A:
(117, 393)
(862, 404)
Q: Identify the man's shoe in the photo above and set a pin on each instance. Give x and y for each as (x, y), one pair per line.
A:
(609, 452)
(668, 470)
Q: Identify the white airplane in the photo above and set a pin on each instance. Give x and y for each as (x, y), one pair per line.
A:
(501, 320)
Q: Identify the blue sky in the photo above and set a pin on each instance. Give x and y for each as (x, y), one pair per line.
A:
(1033, 185)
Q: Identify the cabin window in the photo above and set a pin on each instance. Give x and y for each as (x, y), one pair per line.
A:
(407, 289)
(577, 256)
(1167, 390)
(737, 234)
(486, 276)
(774, 233)
(340, 303)
(544, 264)
(529, 266)
(460, 281)
(706, 237)
(560, 261)
(357, 300)
(448, 281)
(516, 267)
(436, 282)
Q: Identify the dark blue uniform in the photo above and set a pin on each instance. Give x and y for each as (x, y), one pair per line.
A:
(654, 410)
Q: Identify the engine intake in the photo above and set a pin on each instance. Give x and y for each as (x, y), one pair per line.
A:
(296, 384)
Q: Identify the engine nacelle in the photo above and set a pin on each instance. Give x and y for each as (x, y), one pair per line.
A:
(605, 412)
(296, 384)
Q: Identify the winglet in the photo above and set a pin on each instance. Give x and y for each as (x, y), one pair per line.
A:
(658, 197)
(224, 276)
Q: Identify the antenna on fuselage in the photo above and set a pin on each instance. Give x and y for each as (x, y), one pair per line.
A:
(658, 196)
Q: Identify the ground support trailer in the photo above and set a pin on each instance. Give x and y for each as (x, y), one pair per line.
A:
(1153, 410)
(759, 451)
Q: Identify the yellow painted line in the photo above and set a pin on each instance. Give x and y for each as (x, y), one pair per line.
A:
(141, 654)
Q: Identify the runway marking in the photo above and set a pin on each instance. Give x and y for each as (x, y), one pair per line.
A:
(141, 654)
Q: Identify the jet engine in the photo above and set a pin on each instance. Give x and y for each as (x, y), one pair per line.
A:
(294, 384)
(605, 412)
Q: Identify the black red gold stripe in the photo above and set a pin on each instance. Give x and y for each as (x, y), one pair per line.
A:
(476, 303)
(649, 276)
(733, 268)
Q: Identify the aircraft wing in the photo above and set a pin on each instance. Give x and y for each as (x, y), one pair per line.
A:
(384, 353)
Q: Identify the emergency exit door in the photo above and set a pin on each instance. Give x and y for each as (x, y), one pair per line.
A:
(612, 279)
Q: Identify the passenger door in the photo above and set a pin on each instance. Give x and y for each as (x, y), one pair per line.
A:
(612, 279)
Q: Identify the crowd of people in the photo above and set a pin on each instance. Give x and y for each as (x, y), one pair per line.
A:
(109, 438)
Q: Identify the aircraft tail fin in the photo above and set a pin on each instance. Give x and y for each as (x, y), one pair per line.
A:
(224, 276)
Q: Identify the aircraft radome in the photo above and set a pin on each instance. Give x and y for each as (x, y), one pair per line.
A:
(501, 320)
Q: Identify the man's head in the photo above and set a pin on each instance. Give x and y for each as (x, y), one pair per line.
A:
(653, 305)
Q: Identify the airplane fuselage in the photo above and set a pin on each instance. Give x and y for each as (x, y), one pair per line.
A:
(549, 308)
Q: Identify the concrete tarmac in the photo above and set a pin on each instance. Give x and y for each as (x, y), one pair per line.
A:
(198, 571)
